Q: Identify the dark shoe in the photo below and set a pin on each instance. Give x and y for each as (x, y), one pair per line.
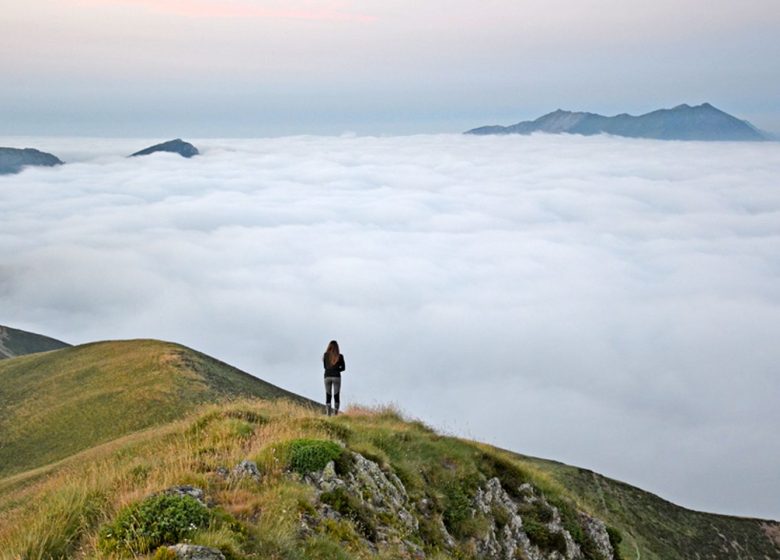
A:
(330, 411)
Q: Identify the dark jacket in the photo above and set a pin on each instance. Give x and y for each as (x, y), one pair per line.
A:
(334, 370)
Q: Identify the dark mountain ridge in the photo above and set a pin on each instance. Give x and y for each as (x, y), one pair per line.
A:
(177, 146)
(15, 342)
(13, 160)
(684, 122)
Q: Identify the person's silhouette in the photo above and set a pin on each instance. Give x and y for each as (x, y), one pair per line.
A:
(333, 361)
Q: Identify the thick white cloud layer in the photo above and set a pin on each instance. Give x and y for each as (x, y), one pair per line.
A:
(610, 303)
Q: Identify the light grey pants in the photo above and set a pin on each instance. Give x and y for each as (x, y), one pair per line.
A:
(332, 387)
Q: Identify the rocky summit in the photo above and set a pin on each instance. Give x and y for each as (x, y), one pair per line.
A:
(684, 122)
(13, 160)
(177, 146)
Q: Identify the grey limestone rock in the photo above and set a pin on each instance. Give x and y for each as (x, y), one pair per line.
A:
(384, 497)
(597, 531)
(186, 490)
(245, 469)
(507, 538)
(185, 551)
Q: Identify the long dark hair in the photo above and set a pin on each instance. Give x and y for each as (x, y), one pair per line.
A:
(332, 354)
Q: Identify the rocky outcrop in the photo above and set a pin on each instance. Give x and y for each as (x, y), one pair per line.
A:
(177, 146)
(185, 551)
(528, 526)
(13, 160)
(375, 499)
(523, 524)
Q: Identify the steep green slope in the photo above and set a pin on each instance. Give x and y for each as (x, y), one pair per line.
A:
(660, 529)
(58, 403)
(14, 342)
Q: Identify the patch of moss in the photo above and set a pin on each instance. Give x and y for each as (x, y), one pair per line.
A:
(615, 538)
(457, 509)
(322, 548)
(310, 455)
(540, 535)
(153, 522)
(353, 509)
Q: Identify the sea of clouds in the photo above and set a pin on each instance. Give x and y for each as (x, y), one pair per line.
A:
(610, 303)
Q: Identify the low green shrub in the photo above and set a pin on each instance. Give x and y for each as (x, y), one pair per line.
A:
(164, 553)
(510, 475)
(155, 521)
(615, 538)
(309, 455)
(457, 508)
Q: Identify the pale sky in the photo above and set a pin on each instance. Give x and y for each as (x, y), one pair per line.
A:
(260, 68)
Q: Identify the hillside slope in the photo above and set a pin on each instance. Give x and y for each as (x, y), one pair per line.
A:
(15, 342)
(90, 431)
(55, 404)
(661, 529)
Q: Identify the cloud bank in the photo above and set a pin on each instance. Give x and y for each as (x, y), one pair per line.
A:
(610, 303)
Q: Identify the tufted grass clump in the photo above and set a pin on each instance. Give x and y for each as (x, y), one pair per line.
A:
(310, 455)
(352, 508)
(540, 535)
(615, 538)
(155, 521)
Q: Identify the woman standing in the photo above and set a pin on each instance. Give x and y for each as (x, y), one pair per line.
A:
(334, 365)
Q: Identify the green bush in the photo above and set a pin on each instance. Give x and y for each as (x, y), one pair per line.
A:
(155, 521)
(457, 508)
(615, 538)
(309, 455)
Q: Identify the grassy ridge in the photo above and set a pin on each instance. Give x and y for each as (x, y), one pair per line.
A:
(55, 404)
(14, 342)
(61, 514)
(87, 430)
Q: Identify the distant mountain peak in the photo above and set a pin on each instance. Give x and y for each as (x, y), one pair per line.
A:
(176, 146)
(683, 122)
(13, 160)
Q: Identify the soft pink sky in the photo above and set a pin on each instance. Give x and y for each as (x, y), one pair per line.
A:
(271, 67)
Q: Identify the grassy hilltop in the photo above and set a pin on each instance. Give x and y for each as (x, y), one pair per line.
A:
(55, 404)
(90, 434)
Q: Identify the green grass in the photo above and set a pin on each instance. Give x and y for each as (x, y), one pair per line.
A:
(55, 404)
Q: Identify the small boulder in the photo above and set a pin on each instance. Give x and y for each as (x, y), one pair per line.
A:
(245, 469)
(186, 490)
(222, 472)
(185, 551)
(178, 146)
